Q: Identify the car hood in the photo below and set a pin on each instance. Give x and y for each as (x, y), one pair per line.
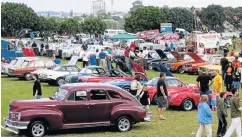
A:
(161, 54)
(195, 57)
(177, 56)
(43, 102)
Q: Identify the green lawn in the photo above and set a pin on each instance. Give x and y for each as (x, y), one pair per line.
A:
(178, 124)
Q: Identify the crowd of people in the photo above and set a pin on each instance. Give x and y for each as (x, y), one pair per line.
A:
(216, 100)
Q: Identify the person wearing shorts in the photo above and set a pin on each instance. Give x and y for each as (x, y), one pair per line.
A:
(162, 94)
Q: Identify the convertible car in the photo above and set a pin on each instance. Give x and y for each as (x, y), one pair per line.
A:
(98, 74)
(141, 77)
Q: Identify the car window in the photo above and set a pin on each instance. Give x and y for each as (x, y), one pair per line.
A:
(114, 95)
(39, 64)
(98, 95)
(78, 96)
(173, 83)
(74, 69)
(69, 69)
(101, 71)
(59, 68)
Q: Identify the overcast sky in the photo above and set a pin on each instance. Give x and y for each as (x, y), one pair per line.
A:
(119, 5)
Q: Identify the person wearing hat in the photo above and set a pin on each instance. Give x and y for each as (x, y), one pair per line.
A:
(236, 63)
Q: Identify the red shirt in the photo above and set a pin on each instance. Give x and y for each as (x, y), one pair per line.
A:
(236, 64)
(126, 53)
(133, 46)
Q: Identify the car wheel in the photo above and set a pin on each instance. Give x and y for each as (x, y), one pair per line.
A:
(180, 70)
(154, 99)
(124, 124)
(37, 129)
(227, 101)
(27, 76)
(60, 81)
(187, 105)
(126, 88)
(51, 83)
(150, 67)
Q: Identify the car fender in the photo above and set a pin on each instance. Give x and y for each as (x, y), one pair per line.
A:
(136, 113)
(52, 116)
(176, 100)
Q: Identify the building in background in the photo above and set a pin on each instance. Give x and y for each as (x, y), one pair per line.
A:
(98, 6)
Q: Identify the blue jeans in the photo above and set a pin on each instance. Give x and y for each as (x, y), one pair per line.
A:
(206, 93)
(237, 85)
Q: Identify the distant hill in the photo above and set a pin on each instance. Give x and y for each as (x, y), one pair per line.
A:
(52, 13)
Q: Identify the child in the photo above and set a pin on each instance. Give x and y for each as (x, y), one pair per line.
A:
(235, 114)
(145, 100)
(213, 101)
(204, 117)
(222, 114)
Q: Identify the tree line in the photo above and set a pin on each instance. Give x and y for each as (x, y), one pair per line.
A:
(16, 17)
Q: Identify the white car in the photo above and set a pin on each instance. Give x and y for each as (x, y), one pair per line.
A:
(70, 50)
(55, 76)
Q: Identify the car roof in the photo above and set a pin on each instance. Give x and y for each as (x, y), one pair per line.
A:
(73, 86)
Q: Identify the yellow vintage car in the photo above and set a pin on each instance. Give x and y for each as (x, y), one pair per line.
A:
(215, 65)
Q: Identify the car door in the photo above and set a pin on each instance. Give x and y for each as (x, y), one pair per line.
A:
(99, 106)
(75, 108)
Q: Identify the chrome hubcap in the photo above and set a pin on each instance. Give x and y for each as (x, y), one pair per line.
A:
(124, 124)
(188, 105)
(28, 76)
(150, 67)
(61, 82)
(38, 130)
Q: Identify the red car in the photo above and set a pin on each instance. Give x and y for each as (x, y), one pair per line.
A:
(76, 106)
(186, 96)
(192, 67)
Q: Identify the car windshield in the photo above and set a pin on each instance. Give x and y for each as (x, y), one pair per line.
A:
(25, 64)
(170, 56)
(152, 82)
(60, 94)
(154, 55)
(86, 71)
(13, 62)
(215, 61)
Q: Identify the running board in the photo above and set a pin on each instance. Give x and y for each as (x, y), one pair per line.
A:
(85, 125)
(10, 130)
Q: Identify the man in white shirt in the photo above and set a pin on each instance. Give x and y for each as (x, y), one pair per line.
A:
(85, 59)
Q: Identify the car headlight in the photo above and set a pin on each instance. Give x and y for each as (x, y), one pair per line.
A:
(10, 70)
(15, 115)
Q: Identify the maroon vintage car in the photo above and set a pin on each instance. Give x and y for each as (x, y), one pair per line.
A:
(75, 106)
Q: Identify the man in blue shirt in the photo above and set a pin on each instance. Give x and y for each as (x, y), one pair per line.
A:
(102, 56)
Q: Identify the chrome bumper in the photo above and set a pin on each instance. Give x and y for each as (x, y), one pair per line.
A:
(8, 124)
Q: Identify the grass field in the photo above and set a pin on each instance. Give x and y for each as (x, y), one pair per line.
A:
(178, 124)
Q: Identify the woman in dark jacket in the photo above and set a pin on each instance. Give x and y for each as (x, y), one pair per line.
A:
(236, 78)
(37, 92)
(229, 70)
